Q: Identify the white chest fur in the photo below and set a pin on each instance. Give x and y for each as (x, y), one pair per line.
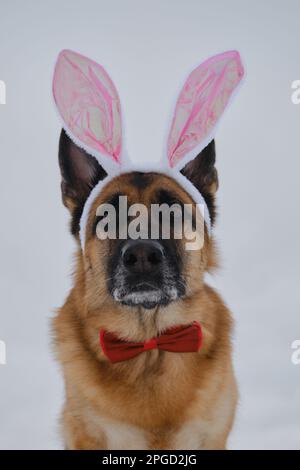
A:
(119, 436)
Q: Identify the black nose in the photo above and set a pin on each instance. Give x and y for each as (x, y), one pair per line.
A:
(142, 256)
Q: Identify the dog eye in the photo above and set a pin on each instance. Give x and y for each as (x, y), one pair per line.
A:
(168, 197)
(113, 201)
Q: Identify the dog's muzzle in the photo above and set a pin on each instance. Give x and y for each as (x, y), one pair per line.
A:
(144, 275)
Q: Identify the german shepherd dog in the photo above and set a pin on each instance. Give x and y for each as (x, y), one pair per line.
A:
(158, 399)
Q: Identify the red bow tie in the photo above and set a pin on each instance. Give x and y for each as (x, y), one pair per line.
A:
(183, 338)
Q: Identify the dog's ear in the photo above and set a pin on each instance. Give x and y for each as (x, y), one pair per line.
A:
(203, 175)
(200, 105)
(80, 173)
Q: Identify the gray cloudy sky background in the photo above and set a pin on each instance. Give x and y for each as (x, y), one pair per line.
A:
(148, 48)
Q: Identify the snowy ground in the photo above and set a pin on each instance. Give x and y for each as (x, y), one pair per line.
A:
(148, 49)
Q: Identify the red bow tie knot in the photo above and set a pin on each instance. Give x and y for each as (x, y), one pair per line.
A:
(183, 338)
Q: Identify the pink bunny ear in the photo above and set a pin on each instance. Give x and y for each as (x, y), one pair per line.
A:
(200, 105)
(89, 105)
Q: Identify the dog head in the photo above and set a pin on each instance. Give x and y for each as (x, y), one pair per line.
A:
(141, 271)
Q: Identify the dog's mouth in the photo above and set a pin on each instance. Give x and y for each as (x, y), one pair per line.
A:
(146, 295)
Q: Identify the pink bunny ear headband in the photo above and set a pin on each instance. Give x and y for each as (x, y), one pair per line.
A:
(89, 106)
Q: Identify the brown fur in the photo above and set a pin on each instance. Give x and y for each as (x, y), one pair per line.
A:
(158, 400)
